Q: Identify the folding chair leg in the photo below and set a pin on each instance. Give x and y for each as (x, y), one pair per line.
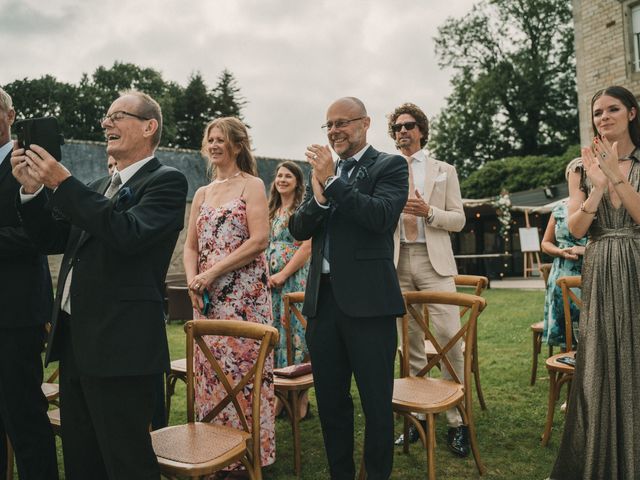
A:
(553, 395)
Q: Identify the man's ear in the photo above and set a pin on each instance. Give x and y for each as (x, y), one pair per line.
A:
(11, 115)
(151, 128)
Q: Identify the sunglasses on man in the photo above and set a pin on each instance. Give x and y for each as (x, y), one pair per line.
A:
(407, 125)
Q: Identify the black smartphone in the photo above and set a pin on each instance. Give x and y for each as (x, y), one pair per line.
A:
(568, 361)
(43, 131)
(206, 301)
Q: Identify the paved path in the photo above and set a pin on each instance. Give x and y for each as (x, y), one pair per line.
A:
(535, 283)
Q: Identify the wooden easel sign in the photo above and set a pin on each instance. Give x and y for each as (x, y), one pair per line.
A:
(529, 246)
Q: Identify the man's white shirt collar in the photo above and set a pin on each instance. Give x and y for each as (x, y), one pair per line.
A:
(131, 170)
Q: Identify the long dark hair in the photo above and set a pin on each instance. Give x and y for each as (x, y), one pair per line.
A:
(275, 200)
(236, 136)
(628, 100)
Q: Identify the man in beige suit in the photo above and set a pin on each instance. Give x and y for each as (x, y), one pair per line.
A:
(423, 252)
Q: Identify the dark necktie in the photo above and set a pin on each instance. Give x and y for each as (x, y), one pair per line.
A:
(345, 167)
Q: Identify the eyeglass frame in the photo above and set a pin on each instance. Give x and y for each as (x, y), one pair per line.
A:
(397, 127)
(339, 123)
(122, 114)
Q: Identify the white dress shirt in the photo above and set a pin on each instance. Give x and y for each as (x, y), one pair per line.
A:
(418, 170)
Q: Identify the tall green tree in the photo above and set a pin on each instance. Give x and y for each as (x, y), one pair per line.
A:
(514, 91)
(192, 112)
(228, 100)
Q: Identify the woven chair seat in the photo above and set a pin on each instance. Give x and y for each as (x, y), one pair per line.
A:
(412, 393)
(50, 391)
(197, 443)
(296, 383)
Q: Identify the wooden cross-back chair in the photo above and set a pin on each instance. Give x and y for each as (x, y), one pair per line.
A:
(199, 448)
(288, 390)
(429, 396)
(537, 330)
(479, 284)
(561, 373)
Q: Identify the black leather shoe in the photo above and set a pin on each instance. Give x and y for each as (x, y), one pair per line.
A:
(458, 440)
(414, 436)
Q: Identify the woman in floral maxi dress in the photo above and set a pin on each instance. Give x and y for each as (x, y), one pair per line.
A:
(224, 256)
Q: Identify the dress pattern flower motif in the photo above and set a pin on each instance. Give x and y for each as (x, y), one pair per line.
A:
(242, 294)
(554, 326)
(282, 247)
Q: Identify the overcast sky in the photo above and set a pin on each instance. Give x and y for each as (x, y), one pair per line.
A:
(292, 58)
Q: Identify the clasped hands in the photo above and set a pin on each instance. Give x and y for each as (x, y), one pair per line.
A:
(601, 162)
(36, 167)
(572, 253)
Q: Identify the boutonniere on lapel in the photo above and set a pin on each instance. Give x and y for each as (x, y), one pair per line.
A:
(123, 197)
(362, 174)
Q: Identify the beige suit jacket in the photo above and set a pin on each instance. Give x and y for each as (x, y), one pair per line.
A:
(442, 193)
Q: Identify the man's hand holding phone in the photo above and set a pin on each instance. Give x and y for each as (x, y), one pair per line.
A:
(35, 167)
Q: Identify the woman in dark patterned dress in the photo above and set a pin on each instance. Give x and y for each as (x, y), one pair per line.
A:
(224, 255)
(601, 438)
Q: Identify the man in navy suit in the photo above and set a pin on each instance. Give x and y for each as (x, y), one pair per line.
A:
(352, 297)
(108, 331)
(26, 298)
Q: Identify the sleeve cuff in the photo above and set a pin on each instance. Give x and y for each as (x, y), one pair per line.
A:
(27, 197)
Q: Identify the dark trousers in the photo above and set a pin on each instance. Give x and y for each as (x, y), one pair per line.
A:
(340, 346)
(105, 421)
(23, 407)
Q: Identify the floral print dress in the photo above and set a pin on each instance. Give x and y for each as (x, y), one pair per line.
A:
(554, 326)
(282, 247)
(242, 294)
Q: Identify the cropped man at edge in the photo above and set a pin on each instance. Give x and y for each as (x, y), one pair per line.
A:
(26, 298)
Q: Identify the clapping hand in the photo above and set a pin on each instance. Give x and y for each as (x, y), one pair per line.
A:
(592, 168)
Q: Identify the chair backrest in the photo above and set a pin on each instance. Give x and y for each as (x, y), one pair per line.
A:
(467, 330)
(568, 296)
(545, 270)
(266, 335)
(478, 282)
(291, 301)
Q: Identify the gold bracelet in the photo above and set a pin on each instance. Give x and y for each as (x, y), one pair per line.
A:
(615, 184)
(582, 209)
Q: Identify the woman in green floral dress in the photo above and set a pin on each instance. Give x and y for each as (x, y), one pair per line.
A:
(288, 258)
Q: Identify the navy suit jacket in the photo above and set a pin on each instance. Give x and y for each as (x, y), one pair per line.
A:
(366, 209)
(120, 249)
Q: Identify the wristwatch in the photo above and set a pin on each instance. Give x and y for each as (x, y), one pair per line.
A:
(430, 215)
(328, 180)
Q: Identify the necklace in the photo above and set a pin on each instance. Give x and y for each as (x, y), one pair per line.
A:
(216, 181)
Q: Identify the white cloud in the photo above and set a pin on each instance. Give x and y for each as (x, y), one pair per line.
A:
(291, 58)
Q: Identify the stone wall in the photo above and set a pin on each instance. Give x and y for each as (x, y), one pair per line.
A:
(87, 161)
(604, 52)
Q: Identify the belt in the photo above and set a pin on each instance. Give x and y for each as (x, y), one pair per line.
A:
(599, 233)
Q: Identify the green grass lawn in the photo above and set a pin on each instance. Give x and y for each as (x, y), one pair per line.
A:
(508, 431)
